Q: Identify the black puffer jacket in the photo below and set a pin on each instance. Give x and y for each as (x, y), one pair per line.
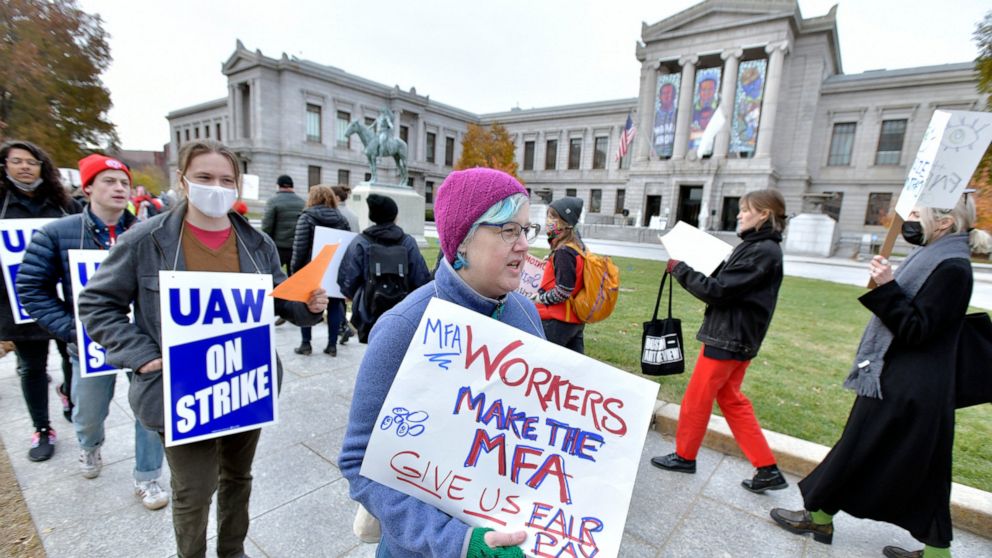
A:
(312, 217)
(740, 296)
(16, 206)
(47, 262)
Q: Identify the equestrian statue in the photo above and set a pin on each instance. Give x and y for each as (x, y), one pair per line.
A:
(381, 143)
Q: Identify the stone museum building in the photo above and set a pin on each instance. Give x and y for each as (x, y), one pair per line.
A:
(771, 81)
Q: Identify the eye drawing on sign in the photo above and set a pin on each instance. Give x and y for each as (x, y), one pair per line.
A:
(407, 422)
(963, 135)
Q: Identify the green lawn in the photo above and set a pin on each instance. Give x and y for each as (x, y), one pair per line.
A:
(795, 382)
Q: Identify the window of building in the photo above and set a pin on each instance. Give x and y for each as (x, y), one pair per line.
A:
(570, 192)
(313, 123)
(179, 138)
(429, 191)
(218, 132)
(841, 144)
(409, 182)
(544, 195)
(343, 119)
(728, 217)
(574, 152)
(344, 177)
(890, 141)
(206, 131)
(368, 177)
(618, 207)
(831, 206)
(405, 134)
(878, 208)
(528, 155)
(599, 155)
(449, 152)
(196, 132)
(431, 141)
(551, 155)
(595, 200)
(187, 134)
(313, 175)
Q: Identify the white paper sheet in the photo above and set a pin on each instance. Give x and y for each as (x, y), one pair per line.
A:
(701, 251)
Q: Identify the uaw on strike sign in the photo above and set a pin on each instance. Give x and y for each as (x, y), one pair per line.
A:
(218, 358)
(92, 356)
(506, 430)
(15, 235)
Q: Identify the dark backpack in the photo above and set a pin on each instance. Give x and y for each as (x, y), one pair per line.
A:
(386, 281)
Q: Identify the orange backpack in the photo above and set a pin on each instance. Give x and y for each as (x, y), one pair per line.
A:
(600, 288)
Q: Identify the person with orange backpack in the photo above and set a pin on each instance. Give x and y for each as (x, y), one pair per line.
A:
(562, 275)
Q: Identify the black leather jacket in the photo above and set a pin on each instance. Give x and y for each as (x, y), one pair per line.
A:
(740, 296)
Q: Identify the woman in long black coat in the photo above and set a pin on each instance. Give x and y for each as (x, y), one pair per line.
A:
(893, 461)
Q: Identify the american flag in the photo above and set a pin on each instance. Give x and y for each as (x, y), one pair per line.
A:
(626, 137)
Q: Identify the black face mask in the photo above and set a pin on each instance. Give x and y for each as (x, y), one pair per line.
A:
(912, 232)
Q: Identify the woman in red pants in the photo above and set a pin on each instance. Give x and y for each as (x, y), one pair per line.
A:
(740, 298)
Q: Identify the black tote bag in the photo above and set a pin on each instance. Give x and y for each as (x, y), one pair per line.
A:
(662, 351)
(973, 378)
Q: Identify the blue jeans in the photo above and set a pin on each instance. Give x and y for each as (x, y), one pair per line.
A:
(91, 397)
(335, 315)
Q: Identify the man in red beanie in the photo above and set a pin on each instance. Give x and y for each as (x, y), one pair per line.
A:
(107, 184)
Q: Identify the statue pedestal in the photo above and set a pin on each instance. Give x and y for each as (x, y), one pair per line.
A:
(411, 207)
(812, 234)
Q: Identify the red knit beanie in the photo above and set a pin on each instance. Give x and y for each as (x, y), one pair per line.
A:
(94, 164)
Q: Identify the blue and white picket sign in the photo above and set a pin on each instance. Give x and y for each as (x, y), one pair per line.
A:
(92, 356)
(15, 234)
(218, 354)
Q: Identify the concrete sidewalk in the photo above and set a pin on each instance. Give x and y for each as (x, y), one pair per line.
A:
(300, 504)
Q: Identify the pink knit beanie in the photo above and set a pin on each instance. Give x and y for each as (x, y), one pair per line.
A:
(463, 197)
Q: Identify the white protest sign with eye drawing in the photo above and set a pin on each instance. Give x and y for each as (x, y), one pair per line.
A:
(950, 151)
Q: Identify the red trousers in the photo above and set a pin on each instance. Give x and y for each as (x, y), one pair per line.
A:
(720, 380)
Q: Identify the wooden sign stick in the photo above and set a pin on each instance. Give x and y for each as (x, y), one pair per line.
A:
(890, 240)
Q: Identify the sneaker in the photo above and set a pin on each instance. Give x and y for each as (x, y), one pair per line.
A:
(766, 478)
(304, 349)
(674, 462)
(66, 403)
(90, 463)
(280, 321)
(42, 445)
(151, 494)
(346, 334)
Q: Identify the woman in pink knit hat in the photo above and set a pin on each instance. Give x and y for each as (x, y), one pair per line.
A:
(483, 222)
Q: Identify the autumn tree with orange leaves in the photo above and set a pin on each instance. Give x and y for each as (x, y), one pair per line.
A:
(982, 179)
(488, 146)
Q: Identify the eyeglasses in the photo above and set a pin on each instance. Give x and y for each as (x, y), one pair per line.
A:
(511, 231)
(18, 161)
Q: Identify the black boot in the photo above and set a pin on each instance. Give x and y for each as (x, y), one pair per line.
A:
(304, 349)
(346, 334)
(896, 552)
(331, 350)
(801, 522)
(767, 478)
(673, 462)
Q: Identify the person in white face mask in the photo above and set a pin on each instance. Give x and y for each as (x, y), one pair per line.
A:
(30, 189)
(201, 233)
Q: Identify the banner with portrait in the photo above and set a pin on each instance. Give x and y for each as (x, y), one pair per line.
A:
(747, 106)
(503, 429)
(704, 103)
(666, 104)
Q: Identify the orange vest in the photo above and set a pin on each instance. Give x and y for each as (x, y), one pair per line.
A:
(563, 310)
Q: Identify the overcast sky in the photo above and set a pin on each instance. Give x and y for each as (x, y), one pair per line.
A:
(478, 56)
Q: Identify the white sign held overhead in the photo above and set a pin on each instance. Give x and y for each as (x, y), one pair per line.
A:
(699, 250)
(950, 151)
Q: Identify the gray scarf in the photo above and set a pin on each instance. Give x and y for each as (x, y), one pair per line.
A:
(866, 373)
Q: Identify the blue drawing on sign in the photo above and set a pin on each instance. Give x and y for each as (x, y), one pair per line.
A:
(407, 422)
(441, 359)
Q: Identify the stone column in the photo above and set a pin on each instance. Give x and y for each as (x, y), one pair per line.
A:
(685, 106)
(731, 59)
(766, 127)
(645, 116)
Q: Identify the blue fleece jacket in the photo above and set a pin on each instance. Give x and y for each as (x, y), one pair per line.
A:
(409, 526)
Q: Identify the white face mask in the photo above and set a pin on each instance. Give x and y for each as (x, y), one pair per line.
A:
(212, 201)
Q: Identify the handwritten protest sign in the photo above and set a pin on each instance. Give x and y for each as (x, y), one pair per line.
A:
(505, 430)
(701, 251)
(530, 275)
(15, 235)
(322, 236)
(92, 356)
(218, 355)
(950, 151)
